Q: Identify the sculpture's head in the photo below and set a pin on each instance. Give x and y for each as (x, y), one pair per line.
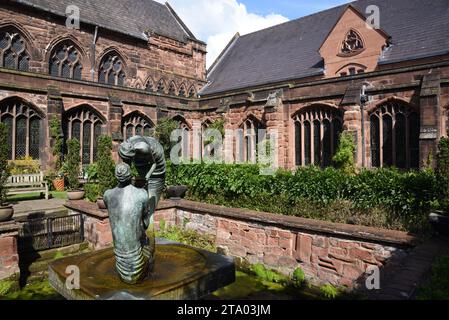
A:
(127, 152)
(123, 173)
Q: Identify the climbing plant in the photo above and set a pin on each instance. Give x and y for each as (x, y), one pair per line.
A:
(442, 172)
(344, 158)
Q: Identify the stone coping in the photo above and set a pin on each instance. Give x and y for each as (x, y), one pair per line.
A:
(88, 208)
(299, 224)
(9, 227)
(339, 230)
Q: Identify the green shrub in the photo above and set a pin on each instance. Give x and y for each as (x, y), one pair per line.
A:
(92, 191)
(187, 236)
(4, 167)
(385, 198)
(442, 173)
(6, 286)
(72, 164)
(92, 172)
(298, 277)
(267, 274)
(105, 165)
(329, 291)
(344, 157)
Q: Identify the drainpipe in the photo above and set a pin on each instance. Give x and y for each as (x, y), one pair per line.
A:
(94, 49)
(363, 100)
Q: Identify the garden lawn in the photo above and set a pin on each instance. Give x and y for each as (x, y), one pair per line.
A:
(36, 196)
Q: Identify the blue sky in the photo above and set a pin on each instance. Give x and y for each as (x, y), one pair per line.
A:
(291, 9)
(217, 21)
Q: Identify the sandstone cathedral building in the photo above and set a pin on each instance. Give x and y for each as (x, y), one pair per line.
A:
(132, 63)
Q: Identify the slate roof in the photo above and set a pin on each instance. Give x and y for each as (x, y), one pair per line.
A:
(418, 28)
(129, 17)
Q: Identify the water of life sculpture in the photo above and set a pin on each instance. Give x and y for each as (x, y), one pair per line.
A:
(139, 267)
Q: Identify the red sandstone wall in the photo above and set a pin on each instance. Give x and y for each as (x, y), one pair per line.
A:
(325, 258)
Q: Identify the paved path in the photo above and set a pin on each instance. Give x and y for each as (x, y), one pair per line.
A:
(24, 208)
(414, 270)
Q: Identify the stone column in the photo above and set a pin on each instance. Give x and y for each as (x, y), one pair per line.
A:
(114, 126)
(430, 119)
(9, 256)
(55, 109)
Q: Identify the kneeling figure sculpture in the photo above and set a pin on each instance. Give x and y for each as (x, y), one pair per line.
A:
(131, 209)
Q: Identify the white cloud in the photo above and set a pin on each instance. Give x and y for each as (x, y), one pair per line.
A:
(217, 21)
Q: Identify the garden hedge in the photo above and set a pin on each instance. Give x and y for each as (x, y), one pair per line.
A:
(405, 198)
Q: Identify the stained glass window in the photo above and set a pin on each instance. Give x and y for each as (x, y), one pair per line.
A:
(87, 141)
(136, 124)
(97, 134)
(375, 141)
(307, 144)
(25, 140)
(13, 53)
(317, 143)
(323, 126)
(65, 61)
(394, 138)
(21, 137)
(298, 144)
(35, 127)
(8, 120)
(251, 141)
(111, 70)
(85, 120)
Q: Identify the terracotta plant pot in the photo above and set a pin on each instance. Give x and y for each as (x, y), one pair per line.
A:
(101, 204)
(6, 213)
(58, 184)
(75, 195)
(176, 192)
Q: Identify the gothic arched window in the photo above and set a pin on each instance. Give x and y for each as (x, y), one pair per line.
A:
(192, 92)
(111, 70)
(24, 126)
(150, 86)
(317, 131)
(250, 140)
(172, 89)
(394, 138)
(135, 124)
(65, 61)
(185, 138)
(161, 86)
(182, 91)
(85, 125)
(13, 50)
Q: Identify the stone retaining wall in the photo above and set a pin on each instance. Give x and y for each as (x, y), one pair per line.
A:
(9, 256)
(327, 252)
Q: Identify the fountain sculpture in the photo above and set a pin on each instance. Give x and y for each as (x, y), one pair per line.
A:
(139, 267)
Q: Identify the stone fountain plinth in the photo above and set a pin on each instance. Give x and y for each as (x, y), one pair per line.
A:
(180, 273)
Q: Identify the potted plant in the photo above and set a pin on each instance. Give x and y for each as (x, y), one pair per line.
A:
(105, 168)
(440, 219)
(72, 166)
(6, 210)
(58, 140)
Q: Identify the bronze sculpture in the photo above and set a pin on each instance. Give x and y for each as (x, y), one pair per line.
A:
(131, 209)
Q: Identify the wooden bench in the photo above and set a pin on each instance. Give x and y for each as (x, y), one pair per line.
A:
(27, 183)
